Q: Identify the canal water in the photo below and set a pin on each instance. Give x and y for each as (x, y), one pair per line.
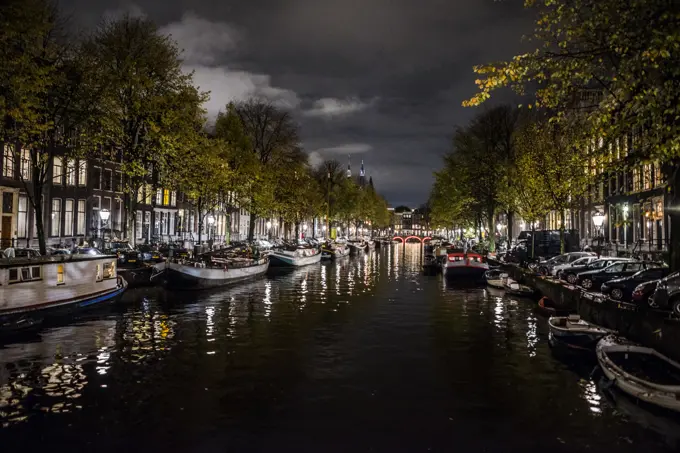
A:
(363, 355)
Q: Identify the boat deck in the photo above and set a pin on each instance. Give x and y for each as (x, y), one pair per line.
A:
(646, 366)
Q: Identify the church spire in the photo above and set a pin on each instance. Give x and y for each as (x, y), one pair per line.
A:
(349, 169)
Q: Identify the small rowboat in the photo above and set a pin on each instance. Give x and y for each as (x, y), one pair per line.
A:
(515, 289)
(574, 333)
(546, 307)
(494, 278)
(641, 372)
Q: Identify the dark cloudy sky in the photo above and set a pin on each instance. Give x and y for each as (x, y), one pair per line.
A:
(382, 80)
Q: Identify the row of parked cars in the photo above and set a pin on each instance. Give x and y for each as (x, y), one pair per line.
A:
(620, 278)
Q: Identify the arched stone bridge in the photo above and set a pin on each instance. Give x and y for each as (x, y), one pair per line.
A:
(421, 239)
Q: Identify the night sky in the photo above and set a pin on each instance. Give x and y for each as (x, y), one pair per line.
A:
(382, 80)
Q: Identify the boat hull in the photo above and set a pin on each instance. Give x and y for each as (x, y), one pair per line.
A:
(182, 276)
(281, 260)
(665, 396)
(469, 270)
(137, 277)
(581, 340)
(31, 318)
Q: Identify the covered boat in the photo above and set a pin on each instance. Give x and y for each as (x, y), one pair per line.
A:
(574, 333)
(641, 372)
(32, 289)
(431, 264)
(209, 272)
(295, 256)
(461, 263)
(357, 246)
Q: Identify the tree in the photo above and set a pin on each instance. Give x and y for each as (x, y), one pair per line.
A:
(274, 139)
(298, 196)
(203, 174)
(624, 55)
(150, 109)
(329, 176)
(48, 96)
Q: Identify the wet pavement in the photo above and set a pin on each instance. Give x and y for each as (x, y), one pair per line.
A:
(363, 355)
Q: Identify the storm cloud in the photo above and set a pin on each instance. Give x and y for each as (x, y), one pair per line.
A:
(380, 80)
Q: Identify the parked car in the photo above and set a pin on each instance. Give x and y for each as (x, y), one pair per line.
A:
(570, 274)
(593, 279)
(127, 256)
(623, 288)
(86, 251)
(21, 253)
(561, 261)
(583, 261)
(667, 293)
(642, 294)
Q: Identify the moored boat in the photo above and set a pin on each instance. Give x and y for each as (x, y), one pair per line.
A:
(299, 256)
(209, 272)
(494, 278)
(461, 263)
(334, 251)
(641, 372)
(512, 287)
(357, 247)
(546, 307)
(32, 289)
(574, 333)
(431, 265)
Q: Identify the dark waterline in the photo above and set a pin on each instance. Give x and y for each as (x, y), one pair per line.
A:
(364, 355)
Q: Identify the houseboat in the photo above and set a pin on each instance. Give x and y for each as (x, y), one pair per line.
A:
(210, 270)
(32, 289)
(462, 263)
(295, 256)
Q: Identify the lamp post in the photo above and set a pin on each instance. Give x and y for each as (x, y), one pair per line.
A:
(625, 226)
(104, 215)
(211, 222)
(598, 220)
(269, 229)
(304, 229)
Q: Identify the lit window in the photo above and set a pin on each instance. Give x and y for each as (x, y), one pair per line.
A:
(159, 197)
(173, 198)
(80, 229)
(82, 172)
(57, 171)
(99, 273)
(8, 162)
(110, 269)
(56, 217)
(70, 172)
(166, 197)
(26, 165)
(60, 274)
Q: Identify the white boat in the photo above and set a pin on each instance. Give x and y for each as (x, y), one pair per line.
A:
(357, 247)
(494, 278)
(641, 372)
(215, 272)
(512, 287)
(301, 256)
(574, 333)
(334, 251)
(32, 289)
(459, 263)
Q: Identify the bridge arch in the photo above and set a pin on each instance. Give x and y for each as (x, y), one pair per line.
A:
(398, 237)
(426, 238)
(414, 237)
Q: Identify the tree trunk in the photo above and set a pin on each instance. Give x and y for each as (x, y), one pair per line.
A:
(251, 227)
(37, 201)
(511, 221)
(562, 219)
(200, 218)
(533, 240)
(673, 177)
(492, 230)
(297, 230)
(130, 219)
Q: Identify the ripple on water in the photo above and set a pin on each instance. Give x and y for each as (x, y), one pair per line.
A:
(363, 353)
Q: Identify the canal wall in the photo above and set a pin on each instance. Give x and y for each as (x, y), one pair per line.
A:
(653, 328)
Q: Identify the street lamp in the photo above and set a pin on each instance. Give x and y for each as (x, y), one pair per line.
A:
(598, 220)
(499, 227)
(211, 222)
(269, 229)
(104, 215)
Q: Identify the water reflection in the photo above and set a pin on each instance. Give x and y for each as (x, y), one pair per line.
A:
(368, 345)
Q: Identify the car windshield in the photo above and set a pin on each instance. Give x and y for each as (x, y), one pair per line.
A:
(615, 268)
(581, 261)
(598, 264)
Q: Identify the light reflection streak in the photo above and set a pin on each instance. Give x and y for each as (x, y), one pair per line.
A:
(267, 301)
(324, 285)
(209, 322)
(498, 312)
(532, 335)
(337, 279)
(592, 397)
